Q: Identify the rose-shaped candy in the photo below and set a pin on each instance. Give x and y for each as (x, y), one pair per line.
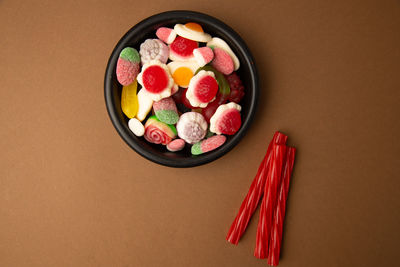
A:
(158, 132)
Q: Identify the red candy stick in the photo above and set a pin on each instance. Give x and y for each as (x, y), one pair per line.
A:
(279, 212)
(269, 200)
(252, 198)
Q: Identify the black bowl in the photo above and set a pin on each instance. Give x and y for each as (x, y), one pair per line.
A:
(146, 29)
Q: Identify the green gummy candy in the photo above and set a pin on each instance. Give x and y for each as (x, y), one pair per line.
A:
(130, 54)
(167, 116)
(196, 149)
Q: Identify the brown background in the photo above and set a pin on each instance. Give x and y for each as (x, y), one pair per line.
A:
(72, 193)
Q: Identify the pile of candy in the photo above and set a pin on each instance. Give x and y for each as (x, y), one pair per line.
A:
(189, 89)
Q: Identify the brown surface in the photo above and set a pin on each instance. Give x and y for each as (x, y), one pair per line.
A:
(72, 193)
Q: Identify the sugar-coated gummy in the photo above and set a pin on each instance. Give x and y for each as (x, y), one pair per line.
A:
(222, 61)
(226, 119)
(203, 55)
(166, 35)
(196, 149)
(127, 71)
(153, 49)
(130, 54)
(176, 145)
(230, 122)
(167, 116)
(158, 132)
(208, 144)
(191, 127)
(218, 42)
(166, 111)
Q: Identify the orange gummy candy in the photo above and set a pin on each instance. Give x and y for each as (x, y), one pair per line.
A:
(194, 26)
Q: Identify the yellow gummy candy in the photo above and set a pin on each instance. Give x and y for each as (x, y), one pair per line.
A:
(129, 100)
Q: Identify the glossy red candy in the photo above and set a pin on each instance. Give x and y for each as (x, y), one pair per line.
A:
(155, 79)
(183, 47)
(275, 240)
(208, 111)
(269, 201)
(237, 88)
(252, 198)
(206, 89)
(230, 122)
(236, 96)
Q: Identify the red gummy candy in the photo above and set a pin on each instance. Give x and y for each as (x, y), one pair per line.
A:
(237, 88)
(155, 80)
(236, 96)
(230, 122)
(183, 47)
(212, 143)
(208, 111)
(206, 89)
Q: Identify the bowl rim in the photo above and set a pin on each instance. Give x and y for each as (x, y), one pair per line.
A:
(110, 103)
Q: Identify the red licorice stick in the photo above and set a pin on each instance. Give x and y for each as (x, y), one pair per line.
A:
(279, 213)
(252, 198)
(269, 200)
